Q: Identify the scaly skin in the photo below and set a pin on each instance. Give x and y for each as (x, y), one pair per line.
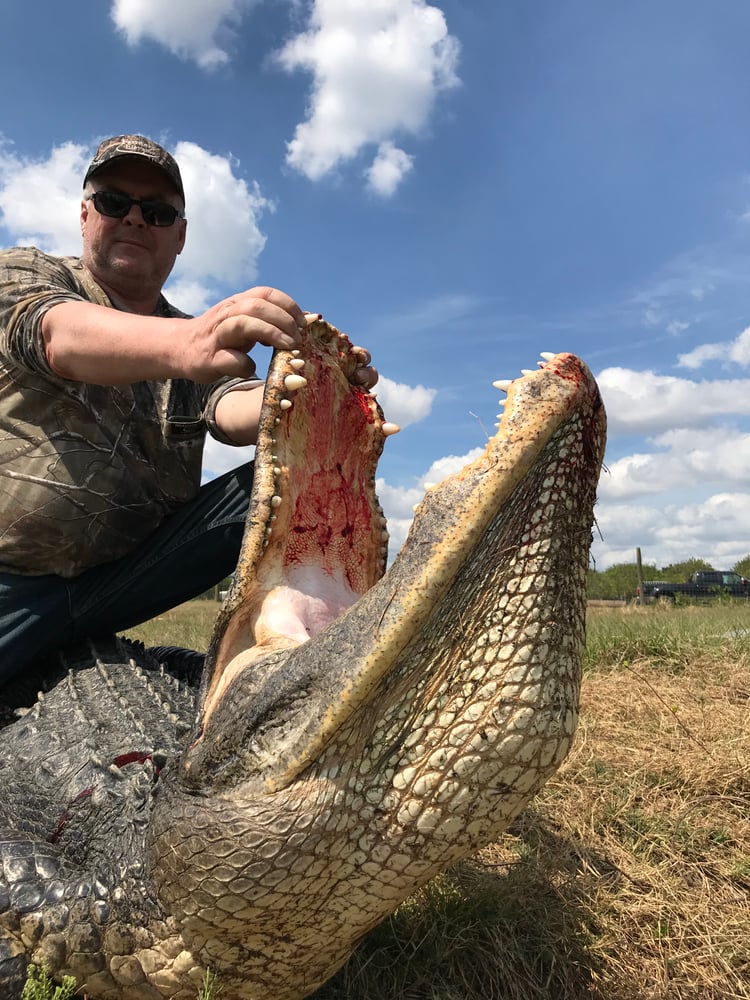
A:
(324, 780)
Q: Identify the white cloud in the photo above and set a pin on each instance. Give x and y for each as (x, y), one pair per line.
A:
(735, 351)
(377, 68)
(224, 240)
(39, 201)
(388, 169)
(714, 528)
(682, 458)
(676, 327)
(646, 402)
(189, 296)
(193, 29)
(404, 404)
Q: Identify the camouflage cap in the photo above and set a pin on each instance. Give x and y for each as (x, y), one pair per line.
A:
(136, 145)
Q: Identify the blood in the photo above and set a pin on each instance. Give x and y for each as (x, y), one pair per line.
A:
(122, 760)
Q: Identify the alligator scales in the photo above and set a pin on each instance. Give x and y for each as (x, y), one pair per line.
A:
(353, 733)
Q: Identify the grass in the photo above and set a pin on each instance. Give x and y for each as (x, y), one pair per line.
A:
(188, 625)
(629, 876)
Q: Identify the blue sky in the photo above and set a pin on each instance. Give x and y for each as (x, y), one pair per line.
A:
(456, 185)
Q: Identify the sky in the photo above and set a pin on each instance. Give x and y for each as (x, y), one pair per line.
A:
(458, 186)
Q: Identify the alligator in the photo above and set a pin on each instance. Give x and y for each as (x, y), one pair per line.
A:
(353, 731)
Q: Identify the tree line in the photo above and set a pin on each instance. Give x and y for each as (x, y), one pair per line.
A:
(620, 582)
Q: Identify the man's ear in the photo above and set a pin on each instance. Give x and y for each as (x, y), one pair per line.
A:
(84, 213)
(183, 235)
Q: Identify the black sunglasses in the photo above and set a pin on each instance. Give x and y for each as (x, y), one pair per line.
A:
(116, 205)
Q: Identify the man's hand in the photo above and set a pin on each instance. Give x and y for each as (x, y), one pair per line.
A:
(217, 342)
(364, 374)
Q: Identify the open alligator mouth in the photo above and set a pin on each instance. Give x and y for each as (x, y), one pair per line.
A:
(316, 538)
(355, 731)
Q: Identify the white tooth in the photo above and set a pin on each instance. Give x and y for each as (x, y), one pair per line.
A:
(547, 355)
(293, 382)
(285, 404)
(297, 363)
(498, 426)
(295, 353)
(389, 429)
(276, 500)
(429, 486)
(502, 402)
(527, 371)
(503, 383)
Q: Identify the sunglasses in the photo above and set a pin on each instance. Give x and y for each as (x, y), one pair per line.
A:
(116, 205)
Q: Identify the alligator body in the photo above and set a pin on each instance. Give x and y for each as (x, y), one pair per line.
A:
(353, 733)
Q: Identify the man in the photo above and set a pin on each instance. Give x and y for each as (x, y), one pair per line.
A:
(106, 392)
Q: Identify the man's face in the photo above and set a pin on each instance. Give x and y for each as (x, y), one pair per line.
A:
(128, 254)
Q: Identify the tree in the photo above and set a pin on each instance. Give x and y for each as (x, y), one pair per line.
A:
(680, 572)
(619, 582)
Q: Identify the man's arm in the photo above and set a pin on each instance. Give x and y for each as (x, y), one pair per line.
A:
(237, 413)
(86, 342)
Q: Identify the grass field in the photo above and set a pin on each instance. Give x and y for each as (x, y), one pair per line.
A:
(628, 878)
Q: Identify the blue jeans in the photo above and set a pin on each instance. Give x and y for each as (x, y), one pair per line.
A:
(188, 554)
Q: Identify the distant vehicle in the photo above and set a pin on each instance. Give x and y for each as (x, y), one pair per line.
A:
(702, 584)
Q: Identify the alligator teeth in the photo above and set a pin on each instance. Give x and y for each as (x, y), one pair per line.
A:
(293, 382)
(547, 355)
(285, 404)
(527, 371)
(297, 363)
(276, 500)
(389, 429)
(503, 383)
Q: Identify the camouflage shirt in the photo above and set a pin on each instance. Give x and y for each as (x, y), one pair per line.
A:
(87, 472)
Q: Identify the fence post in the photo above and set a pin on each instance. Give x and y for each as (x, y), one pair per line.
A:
(639, 565)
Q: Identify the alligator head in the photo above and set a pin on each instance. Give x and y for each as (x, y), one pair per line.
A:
(355, 733)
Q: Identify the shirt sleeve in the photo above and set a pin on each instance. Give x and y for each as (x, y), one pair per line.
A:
(31, 282)
(213, 395)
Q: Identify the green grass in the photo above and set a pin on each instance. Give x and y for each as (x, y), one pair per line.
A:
(188, 625)
(667, 638)
(39, 986)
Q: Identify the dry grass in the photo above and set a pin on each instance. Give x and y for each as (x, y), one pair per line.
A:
(629, 878)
